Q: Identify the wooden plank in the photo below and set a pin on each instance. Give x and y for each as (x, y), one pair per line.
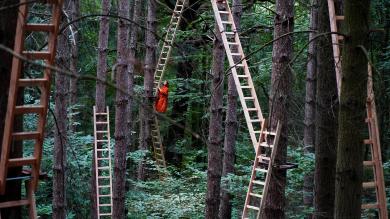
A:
(32, 82)
(17, 162)
(17, 203)
(39, 27)
(369, 185)
(26, 135)
(27, 109)
(370, 206)
(37, 55)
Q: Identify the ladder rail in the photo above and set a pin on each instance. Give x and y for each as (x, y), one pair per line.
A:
(233, 66)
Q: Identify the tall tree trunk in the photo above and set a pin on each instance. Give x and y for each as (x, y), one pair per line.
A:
(352, 114)
(8, 20)
(231, 126)
(150, 65)
(215, 144)
(100, 97)
(121, 113)
(281, 89)
(326, 121)
(310, 100)
(60, 137)
(74, 50)
(130, 69)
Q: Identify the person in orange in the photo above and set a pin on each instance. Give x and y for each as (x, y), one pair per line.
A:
(161, 103)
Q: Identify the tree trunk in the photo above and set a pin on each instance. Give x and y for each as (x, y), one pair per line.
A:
(74, 50)
(231, 126)
(60, 137)
(310, 99)
(147, 102)
(130, 69)
(100, 98)
(8, 20)
(121, 113)
(281, 89)
(215, 144)
(326, 121)
(352, 114)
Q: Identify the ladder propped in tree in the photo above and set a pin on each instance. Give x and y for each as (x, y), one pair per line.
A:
(15, 111)
(102, 153)
(158, 149)
(261, 172)
(372, 122)
(240, 70)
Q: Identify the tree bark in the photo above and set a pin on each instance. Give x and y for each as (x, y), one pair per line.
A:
(326, 121)
(281, 89)
(74, 50)
(231, 126)
(150, 65)
(60, 137)
(215, 144)
(8, 20)
(310, 100)
(352, 114)
(121, 131)
(100, 97)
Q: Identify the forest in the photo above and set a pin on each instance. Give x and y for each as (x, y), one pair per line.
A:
(195, 109)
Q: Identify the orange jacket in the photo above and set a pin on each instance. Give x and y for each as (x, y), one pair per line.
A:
(161, 103)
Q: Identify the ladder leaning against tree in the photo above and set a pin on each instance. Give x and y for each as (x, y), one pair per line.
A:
(372, 121)
(166, 49)
(261, 138)
(14, 111)
(103, 170)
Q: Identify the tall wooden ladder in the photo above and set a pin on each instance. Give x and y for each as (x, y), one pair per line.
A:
(240, 70)
(166, 49)
(17, 83)
(102, 153)
(261, 172)
(372, 122)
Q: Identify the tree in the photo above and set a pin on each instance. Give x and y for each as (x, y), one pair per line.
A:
(352, 114)
(8, 20)
(121, 107)
(150, 65)
(60, 137)
(326, 121)
(231, 126)
(100, 97)
(310, 104)
(74, 50)
(281, 90)
(215, 141)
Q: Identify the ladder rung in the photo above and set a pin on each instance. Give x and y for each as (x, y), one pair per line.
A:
(368, 163)
(263, 157)
(106, 186)
(223, 12)
(367, 141)
(252, 109)
(101, 114)
(104, 196)
(101, 131)
(103, 158)
(246, 87)
(261, 170)
(17, 203)
(105, 214)
(339, 18)
(370, 206)
(340, 37)
(104, 205)
(258, 182)
(253, 207)
(101, 122)
(255, 120)
(233, 43)
(239, 65)
(37, 55)
(255, 195)
(265, 144)
(102, 149)
(29, 109)
(101, 140)
(249, 98)
(17, 162)
(242, 76)
(32, 82)
(230, 33)
(103, 177)
(227, 22)
(39, 27)
(26, 135)
(369, 185)
(235, 54)
(104, 168)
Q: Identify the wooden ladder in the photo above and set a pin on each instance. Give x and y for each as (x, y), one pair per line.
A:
(158, 149)
(102, 153)
(166, 49)
(372, 122)
(261, 171)
(240, 70)
(17, 83)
